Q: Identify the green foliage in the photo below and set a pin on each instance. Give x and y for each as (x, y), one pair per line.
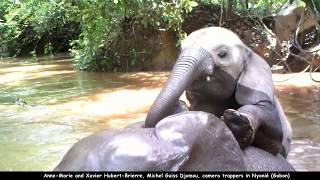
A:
(27, 26)
(261, 7)
(313, 4)
(26, 22)
(101, 23)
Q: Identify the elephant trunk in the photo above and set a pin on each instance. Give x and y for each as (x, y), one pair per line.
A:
(184, 72)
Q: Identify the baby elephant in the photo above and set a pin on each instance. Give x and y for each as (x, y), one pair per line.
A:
(222, 76)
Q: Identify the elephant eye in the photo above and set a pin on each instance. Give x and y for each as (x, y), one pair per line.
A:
(222, 53)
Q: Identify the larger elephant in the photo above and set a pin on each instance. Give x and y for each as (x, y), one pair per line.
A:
(222, 76)
(188, 141)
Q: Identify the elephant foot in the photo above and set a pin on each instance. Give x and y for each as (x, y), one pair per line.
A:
(240, 126)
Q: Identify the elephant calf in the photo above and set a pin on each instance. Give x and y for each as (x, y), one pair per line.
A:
(189, 141)
(222, 76)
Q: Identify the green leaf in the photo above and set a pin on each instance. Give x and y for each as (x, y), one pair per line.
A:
(193, 3)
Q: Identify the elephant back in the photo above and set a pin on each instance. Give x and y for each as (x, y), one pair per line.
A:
(259, 160)
(189, 141)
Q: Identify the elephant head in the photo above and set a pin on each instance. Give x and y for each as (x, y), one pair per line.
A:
(214, 58)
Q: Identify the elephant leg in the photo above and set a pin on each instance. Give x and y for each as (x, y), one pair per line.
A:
(240, 126)
(257, 124)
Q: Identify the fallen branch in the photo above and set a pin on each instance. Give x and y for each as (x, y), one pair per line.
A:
(295, 37)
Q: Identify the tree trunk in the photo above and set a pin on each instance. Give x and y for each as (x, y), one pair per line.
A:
(229, 9)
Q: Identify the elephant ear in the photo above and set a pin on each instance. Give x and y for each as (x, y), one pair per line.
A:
(255, 83)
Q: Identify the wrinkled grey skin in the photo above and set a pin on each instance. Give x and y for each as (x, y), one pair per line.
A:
(224, 77)
(189, 141)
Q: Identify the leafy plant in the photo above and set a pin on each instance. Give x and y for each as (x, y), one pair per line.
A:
(101, 24)
(26, 23)
(28, 26)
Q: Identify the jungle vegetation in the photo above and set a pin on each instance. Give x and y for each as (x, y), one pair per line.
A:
(90, 30)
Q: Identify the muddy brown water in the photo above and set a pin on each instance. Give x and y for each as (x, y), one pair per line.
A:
(46, 107)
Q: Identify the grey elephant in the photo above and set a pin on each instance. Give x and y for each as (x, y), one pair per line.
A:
(188, 141)
(222, 76)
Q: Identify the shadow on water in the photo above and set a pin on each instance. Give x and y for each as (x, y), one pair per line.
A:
(64, 105)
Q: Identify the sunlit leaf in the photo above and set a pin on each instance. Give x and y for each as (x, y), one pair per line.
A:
(193, 3)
